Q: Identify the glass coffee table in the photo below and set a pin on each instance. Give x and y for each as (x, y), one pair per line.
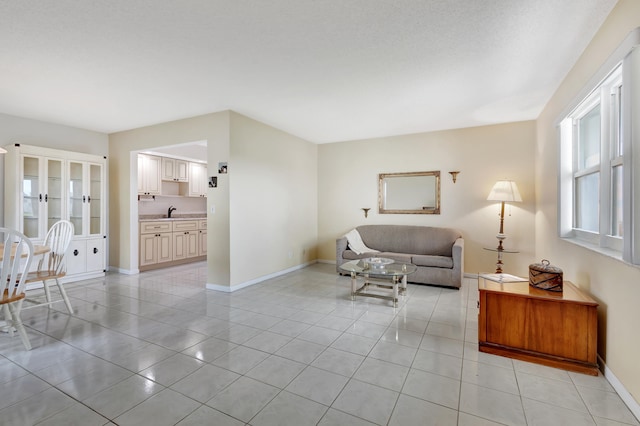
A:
(378, 272)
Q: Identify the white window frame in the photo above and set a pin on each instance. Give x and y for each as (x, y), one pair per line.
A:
(583, 109)
(621, 69)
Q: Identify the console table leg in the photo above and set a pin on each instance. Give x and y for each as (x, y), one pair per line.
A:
(395, 292)
(354, 286)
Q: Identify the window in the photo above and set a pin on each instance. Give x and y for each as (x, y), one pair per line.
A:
(594, 132)
(596, 194)
(586, 175)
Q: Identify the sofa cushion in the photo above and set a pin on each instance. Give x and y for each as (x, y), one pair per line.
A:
(398, 257)
(409, 239)
(434, 261)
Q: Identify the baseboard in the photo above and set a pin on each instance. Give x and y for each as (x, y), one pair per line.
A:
(227, 289)
(626, 397)
(124, 271)
(81, 277)
(328, 261)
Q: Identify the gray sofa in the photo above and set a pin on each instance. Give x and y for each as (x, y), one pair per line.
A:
(437, 252)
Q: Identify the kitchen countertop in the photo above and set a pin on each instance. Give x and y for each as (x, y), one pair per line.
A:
(157, 217)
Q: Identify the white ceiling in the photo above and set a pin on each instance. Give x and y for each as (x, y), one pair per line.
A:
(324, 70)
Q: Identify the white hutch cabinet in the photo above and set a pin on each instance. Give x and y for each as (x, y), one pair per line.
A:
(44, 185)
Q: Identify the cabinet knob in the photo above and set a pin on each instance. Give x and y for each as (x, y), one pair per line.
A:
(46, 198)
(95, 250)
(76, 252)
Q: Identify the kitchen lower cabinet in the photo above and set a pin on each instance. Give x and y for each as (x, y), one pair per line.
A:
(185, 244)
(170, 242)
(202, 237)
(202, 242)
(156, 248)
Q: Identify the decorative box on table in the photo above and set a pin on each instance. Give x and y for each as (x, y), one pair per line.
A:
(545, 276)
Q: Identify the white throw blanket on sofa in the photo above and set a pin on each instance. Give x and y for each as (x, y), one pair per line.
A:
(356, 244)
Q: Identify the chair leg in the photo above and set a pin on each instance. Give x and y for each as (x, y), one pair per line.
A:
(17, 323)
(8, 319)
(65, 297)
(47, 292)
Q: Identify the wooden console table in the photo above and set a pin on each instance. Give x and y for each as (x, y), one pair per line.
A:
(556, 329)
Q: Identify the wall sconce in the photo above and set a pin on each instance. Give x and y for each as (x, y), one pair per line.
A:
(366, 211)
(454, 175)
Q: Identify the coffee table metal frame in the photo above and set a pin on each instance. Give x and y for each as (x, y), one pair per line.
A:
(392, 277)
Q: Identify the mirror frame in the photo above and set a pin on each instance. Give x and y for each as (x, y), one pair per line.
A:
(381, 200)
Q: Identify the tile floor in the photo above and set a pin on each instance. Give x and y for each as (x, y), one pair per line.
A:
(158, 349)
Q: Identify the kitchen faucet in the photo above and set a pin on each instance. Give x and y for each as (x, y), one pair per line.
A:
(171, 209)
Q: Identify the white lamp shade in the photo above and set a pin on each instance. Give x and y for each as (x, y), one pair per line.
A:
(505, 190)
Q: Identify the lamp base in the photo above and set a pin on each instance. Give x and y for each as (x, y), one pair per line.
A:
(500, 249)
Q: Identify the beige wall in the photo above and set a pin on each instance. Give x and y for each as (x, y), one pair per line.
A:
(614, 284)
(273, 200)
(49, 135)
(267, 201)
(214, 128)
(348, 180)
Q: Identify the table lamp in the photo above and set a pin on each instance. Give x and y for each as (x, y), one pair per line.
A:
(505, 191)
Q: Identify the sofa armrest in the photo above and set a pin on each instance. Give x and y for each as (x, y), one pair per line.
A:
(457, 252)
(341, 246)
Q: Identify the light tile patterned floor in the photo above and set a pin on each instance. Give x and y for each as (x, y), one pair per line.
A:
(158, 349)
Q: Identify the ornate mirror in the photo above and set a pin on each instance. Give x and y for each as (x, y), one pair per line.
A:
(412, 193)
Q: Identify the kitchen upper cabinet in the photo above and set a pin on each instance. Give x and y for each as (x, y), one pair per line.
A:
(149, 169)
(197, 180)
(47, 185)
(175, 170)
(172, 177)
